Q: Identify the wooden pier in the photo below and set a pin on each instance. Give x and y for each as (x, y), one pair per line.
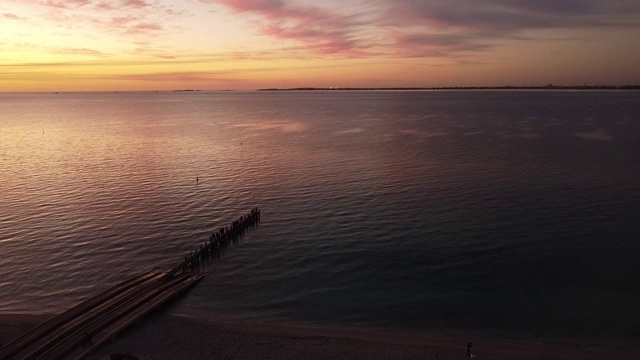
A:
(218, 241)
(78, 331)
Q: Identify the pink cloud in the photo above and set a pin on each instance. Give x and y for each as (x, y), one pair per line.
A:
(65, 4)
(424, 28)
(321, 30)
(251, 5)
(105, 6)
(147, 26)
(101, 5)
(122, 20)
(136, 18)
(12, 16)
(138, 4)
(144, 28)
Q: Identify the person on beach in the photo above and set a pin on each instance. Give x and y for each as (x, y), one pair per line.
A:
(469, 354)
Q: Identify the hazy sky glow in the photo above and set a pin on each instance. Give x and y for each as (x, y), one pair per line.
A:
(50, 45)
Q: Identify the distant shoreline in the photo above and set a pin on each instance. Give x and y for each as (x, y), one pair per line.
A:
(548, 87)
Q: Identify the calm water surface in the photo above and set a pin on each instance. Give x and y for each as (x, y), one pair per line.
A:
(473, 211)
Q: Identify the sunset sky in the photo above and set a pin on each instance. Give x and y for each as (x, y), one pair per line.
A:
(61, 45)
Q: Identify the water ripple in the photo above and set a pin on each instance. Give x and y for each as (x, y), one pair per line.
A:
(383, 225)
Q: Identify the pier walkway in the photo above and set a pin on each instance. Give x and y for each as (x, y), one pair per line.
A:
(78, 331)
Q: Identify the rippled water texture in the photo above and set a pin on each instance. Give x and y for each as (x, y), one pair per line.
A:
(493, 211)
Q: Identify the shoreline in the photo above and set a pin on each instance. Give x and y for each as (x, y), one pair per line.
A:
(446, 88)
(166, 336)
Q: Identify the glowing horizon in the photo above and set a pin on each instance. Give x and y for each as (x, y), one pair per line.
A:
(95, 45)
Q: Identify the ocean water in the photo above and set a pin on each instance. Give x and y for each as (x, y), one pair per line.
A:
(510, 212)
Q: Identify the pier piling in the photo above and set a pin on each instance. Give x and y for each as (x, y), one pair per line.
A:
(219, 241)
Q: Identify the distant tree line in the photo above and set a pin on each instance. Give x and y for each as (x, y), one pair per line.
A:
(547, 87)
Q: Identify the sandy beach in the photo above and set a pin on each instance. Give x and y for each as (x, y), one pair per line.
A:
(163, 336)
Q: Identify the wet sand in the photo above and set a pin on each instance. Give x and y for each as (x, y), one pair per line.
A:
(162, 336)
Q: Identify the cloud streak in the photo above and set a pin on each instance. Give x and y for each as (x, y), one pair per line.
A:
(194, 77)
(65, 4)
(467, 26)
(510, 15)
(325, 31)
(426, 28)
(138, 18)
(78, 51)
(12, 16)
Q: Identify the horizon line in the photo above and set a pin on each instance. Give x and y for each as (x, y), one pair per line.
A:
(358, 88)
